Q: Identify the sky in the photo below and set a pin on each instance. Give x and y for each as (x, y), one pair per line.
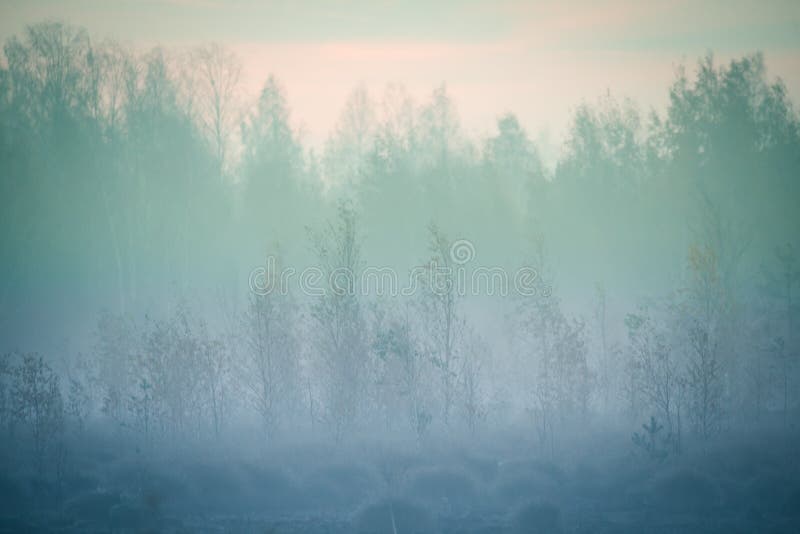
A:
(539, 60)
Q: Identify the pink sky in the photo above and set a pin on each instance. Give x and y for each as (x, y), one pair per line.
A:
(538, 59)
(542, 87)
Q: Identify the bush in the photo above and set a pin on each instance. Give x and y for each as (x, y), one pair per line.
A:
(216, 488)
(15, 498)
(339, 485)
(519, 482)
(391, 516)
(272, 489)
(684, 490)
(127, 517)
(770, 492)
(443, 487)
(94, 506)
(536, 518)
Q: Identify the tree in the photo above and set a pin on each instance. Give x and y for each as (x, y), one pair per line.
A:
(215, 372)
(170, 373)
(779, 285)
(705, 309)
(704, 383)
(339, 324)
(649, 441)
(440, 130)
(276, 202)
(346, 152)
(115, 363)
(557, 380)
(269, 370)
(78, 403)
(37, 405)
(513, 167)
(175, 202)
(396, 135)
(730, 132)
(654, 370)
(609, 372)
(392, 184)
(600, 189)
(444, 325)
(471, 380)
(216, 77)
(404, 373)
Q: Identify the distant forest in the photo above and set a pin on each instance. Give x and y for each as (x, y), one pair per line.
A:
(139, 189)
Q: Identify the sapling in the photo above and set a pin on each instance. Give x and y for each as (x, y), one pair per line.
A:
(648, 441)
(37, 404)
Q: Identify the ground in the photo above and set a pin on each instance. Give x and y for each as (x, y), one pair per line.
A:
(745, 485)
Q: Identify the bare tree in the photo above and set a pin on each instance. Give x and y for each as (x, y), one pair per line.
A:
(404, 370)
(215, 364)
(114, 373)
(217, 73)
(268, 367)
(780, 286)
(339, 324)
(654, 366)
(605, 362)
(557, 377)
(443, 322)
(705, 308)
(704, 383)
(37, 405)
(471, 380)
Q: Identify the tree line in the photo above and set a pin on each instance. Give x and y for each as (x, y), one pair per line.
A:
(145, 184)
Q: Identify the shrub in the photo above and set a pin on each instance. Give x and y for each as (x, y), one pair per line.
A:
(684, 490)
(443, 487)
(392, 516)
(340, 485)
(536, 518)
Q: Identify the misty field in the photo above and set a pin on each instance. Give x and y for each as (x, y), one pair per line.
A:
(210, 322)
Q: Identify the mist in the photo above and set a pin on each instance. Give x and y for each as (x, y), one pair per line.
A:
(211, 320)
